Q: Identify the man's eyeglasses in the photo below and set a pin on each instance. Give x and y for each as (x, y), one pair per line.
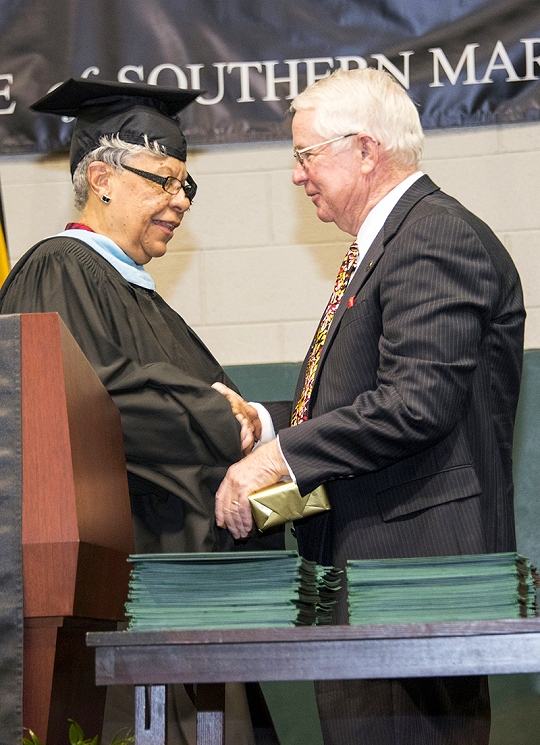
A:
(168, 183)
(298, 153)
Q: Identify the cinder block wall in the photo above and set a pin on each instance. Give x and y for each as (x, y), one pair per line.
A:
(251, 267)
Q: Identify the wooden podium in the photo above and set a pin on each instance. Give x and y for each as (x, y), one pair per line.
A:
(76, 527)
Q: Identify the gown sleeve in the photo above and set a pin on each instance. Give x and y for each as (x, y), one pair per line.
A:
(169, 416)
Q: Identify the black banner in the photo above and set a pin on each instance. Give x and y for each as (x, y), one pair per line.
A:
(464, 62)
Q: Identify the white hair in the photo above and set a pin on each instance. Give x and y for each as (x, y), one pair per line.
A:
(115, 152)
(369, 101)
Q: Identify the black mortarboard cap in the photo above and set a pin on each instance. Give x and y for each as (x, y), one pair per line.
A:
(130, 110)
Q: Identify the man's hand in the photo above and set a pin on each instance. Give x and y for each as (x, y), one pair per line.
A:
(239, 406)
(263, 467)
(247, 439)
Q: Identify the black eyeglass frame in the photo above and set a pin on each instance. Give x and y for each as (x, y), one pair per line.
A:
(168, 182)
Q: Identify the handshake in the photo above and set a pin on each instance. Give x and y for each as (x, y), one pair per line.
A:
(247, 415)
(261, 467)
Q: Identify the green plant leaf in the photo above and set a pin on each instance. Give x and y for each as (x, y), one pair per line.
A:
(75, 733)
(34, 739)
(76, 737)
(119, 739)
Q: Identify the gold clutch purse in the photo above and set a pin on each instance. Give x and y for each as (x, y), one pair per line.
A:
(282, 502)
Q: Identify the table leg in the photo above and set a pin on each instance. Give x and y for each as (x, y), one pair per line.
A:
(149, 715)
(210, 702)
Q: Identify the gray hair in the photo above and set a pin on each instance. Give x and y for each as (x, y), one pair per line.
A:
(365, 100)
(115, 152)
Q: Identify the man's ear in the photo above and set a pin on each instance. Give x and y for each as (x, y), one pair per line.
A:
(99, 176)
(369, 152)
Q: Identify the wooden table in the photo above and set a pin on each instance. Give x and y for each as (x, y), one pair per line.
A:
(151, 660)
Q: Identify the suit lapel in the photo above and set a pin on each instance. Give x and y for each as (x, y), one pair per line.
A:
(410, 199)
(361, 275)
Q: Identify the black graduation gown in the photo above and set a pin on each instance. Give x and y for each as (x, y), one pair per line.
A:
(180, 435)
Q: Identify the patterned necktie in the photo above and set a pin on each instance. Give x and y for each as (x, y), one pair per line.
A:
(345, 273)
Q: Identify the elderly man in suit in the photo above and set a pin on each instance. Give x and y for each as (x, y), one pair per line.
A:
(406, 401)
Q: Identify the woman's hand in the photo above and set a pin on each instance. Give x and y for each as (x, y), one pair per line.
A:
(240, 407)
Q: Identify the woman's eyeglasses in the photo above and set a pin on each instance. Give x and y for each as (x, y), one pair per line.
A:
(168, 183)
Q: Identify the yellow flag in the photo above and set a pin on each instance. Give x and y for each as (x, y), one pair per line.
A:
(4, 255)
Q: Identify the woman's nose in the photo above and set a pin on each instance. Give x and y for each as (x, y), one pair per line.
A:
(180, 202)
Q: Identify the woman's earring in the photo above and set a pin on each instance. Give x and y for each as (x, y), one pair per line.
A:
(105, 199)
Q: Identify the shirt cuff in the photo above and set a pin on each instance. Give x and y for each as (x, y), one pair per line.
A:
(293, 477)
(268, 431)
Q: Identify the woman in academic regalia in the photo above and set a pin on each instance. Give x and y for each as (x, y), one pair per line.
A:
(128, 163)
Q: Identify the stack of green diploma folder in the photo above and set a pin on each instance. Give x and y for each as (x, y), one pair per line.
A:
(441, 588)
(228, 590)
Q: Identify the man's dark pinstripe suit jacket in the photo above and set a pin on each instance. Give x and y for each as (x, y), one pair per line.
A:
(412, 413)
